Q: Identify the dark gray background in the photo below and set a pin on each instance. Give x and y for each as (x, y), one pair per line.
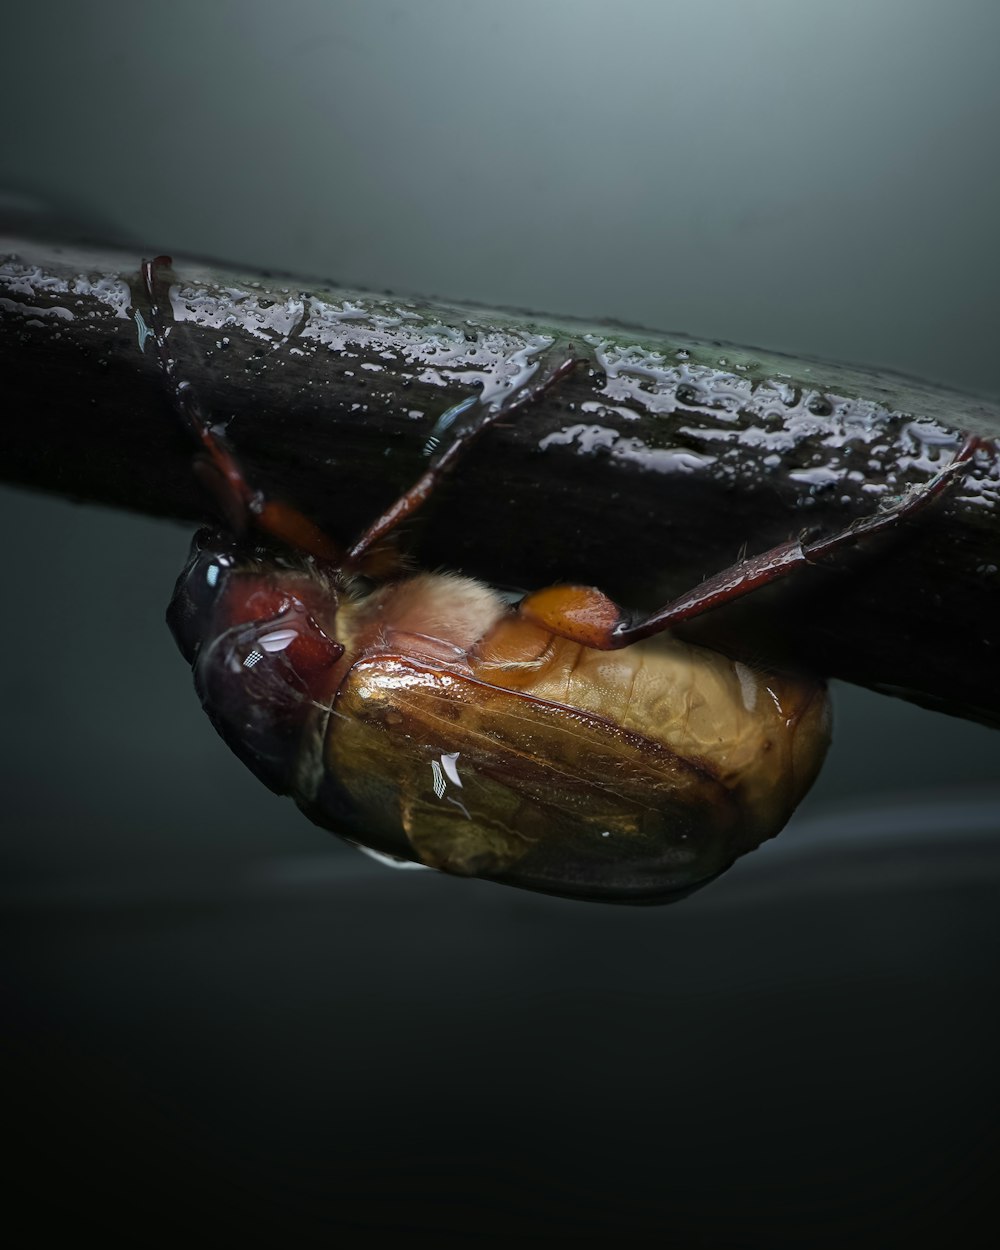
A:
(210, 1000)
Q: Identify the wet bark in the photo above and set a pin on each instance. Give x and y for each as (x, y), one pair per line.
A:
(654, 465)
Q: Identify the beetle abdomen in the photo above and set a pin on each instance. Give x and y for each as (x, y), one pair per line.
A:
(527, 781)
(762, 735)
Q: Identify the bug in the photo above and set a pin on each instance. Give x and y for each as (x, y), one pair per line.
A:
(557, 744)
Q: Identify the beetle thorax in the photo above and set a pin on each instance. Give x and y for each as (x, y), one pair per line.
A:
(432, 613)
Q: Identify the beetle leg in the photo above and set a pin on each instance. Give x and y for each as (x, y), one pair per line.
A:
(585, 615)
(445, 461)
(217, 467)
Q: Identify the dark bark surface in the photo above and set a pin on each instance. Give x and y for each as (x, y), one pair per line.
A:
(654, 465)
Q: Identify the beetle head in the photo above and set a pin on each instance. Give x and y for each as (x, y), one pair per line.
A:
(254, 628)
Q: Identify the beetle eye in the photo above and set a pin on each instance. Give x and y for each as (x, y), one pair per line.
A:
(192, 608)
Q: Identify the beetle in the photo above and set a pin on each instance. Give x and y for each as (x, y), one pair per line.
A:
(557, 744)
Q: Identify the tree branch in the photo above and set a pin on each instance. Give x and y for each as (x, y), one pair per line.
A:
(641, 473)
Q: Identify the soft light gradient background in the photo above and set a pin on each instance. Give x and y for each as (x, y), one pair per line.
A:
(212, 1001)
